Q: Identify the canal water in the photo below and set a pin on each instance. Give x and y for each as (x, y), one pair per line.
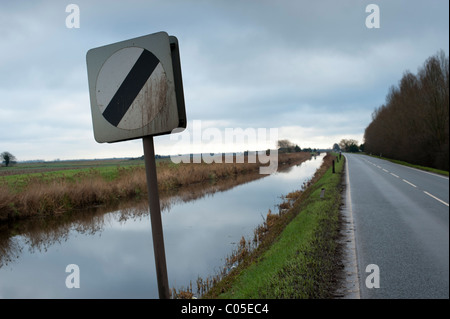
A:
(113, 252)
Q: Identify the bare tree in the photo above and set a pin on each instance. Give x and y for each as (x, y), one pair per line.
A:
(287, 146)
(8, 158)
(348, 145)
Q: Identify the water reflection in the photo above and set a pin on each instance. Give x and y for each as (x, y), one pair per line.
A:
(113, 246)
(40, 233)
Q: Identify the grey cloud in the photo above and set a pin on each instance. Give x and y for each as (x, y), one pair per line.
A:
(310, 64)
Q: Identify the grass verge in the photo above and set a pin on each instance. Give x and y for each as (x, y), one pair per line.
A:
(299, 256)
(424, 168)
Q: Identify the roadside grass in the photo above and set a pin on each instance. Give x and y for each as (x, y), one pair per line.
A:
(299, 258)
(424, 168)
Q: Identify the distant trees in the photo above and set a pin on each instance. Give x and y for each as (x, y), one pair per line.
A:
(7, 158)
(286, 146)
(413, 124)
(348, 145)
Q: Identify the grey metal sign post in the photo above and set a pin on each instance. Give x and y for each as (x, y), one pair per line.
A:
(136, 91)
(155, 217)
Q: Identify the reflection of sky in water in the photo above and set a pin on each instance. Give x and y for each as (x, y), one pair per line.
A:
(118, 261)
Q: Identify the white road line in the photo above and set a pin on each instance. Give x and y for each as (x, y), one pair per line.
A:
(378, 166)
(385, 170)
(440, 200)
(352, 233)
(394, 175)
(409, 183)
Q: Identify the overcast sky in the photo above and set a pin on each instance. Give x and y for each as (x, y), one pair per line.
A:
(311, 69)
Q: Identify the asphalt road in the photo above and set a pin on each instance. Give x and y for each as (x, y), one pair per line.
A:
(401, 223)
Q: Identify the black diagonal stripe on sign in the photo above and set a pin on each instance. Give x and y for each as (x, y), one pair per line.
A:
(130, 87)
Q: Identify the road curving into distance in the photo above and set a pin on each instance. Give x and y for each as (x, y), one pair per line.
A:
(401, 229)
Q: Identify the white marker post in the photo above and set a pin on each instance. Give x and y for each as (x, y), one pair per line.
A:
(136, 91)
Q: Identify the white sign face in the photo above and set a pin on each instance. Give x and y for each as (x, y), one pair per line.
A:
(133, 89)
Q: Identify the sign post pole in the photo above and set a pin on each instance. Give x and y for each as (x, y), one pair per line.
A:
(155, 217)
(136, 91)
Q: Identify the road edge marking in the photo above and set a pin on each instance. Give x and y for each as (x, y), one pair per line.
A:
(351, 228)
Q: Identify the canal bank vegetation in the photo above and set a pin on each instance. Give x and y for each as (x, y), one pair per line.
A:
(295, 253)
(58, 191)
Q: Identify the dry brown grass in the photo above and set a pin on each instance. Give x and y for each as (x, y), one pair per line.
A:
(41, 196)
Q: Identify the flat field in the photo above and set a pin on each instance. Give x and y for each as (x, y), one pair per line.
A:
(20, 175)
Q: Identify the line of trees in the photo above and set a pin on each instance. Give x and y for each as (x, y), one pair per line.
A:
(413, 125)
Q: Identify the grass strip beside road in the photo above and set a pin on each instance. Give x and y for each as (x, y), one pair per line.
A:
(302, 260)
(423, 168)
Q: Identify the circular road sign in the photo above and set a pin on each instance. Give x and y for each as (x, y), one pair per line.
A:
(131, 88)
